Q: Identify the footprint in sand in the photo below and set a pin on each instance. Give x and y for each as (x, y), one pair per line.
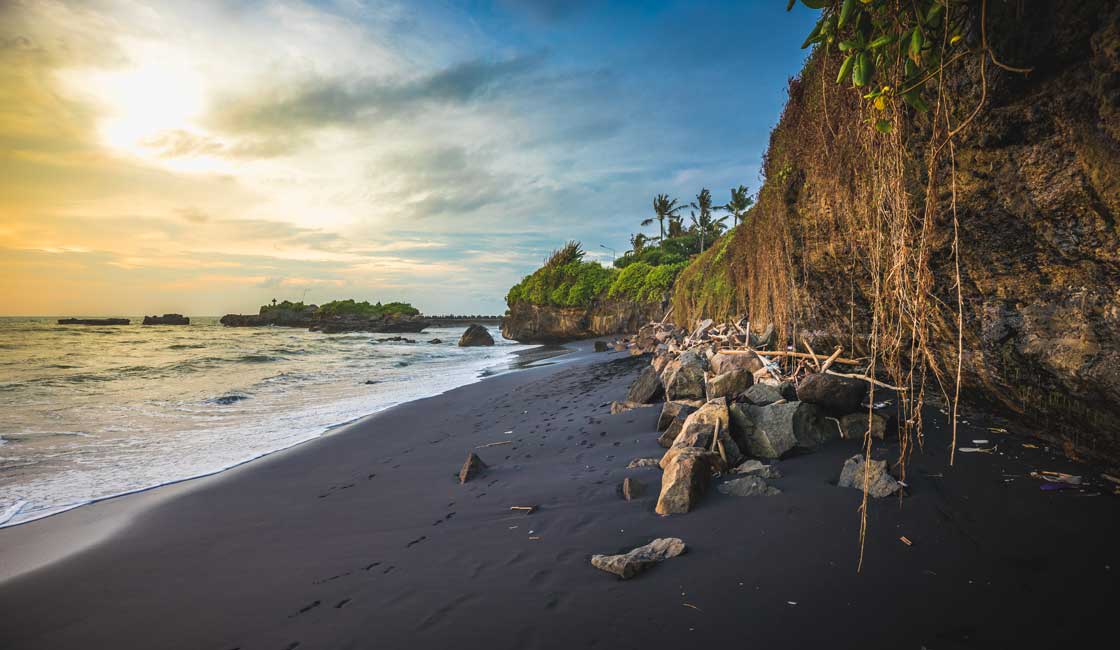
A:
(342, 603)
(416, 541)
(307, 608)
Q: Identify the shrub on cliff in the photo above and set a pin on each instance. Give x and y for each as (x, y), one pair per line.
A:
(644, 282)
(364, 309)
(565, 280)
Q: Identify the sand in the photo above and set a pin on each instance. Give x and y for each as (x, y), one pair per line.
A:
(365, 539)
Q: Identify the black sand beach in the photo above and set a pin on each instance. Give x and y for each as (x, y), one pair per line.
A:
(365, 539)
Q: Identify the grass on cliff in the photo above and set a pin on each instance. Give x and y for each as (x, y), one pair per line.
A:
(566, 280)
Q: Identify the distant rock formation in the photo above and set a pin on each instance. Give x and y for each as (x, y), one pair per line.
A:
(93, 321)
(476, 335)
(167, 319)
(387, 323)
(279, 317)
(528, 323)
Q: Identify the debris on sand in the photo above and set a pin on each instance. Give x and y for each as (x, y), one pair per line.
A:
(628, 565)
(471, 468)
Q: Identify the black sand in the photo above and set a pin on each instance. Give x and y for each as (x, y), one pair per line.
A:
(364, 539)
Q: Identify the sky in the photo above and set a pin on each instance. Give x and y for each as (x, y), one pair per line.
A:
(205, 157)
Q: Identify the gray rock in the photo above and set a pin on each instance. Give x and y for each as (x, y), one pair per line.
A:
(855, 425)
(639, 463)
(879, 482)
(673, 411)
(683, 378)
(669, 436)
(716, 412)
(756, 468)
(471, 468)
(840, 395)
(763, 394)
(628, 565)
(475, 335)
(622, 407)
(601, 346)
(748, 486)
(730, 383)
(764, 341)
(646, 388)
(774, 430)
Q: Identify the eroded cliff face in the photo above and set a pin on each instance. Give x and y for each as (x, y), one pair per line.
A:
(528, 323)
(1037, 188)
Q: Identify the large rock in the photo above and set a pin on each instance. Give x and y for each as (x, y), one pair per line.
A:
(476, 335)
(856, 425)
(673, 411)
(715, 413)
(694, 434)
(628, 565)
(763, 394)
(726, 362)
(748, 486)
(647, 388)
(471, 468)
(879, 482)
(730, 383)
(775, 430)
(685, 479)
(838, 395)
(683, 378)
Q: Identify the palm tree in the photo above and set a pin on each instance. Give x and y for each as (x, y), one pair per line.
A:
(739, 204)
(703, 222)
(638, 243)
(663, 208)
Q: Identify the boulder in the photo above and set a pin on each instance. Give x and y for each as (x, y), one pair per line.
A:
(601, 346)
(436, 341)
(685, 479)
(726, 362)
(647, 388)
(683, 378)
(622, 407)
(756, 468)
(855, 425)
(673, 411)
(763, 394)
(640, 463)
(660, 361)
(716, 411)
(729, 384)
(632, 488)
(840, 395)
(628, 565)
(879, 482)
(694, 434)
(774, 430)
(471, 468)
(748, 486)
(475, 335)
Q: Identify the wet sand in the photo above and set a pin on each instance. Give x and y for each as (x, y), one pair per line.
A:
(365, 539)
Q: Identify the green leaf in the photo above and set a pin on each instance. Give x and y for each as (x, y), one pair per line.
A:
(933, 16)
(846, 67)
(882, 126)
(863, 70)
(914, 99)
(885, 39)
(916, 41)
(846, 12)
(816, 4)
(850, 44)
(814, 34)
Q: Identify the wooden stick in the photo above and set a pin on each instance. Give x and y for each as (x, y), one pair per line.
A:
(666, 316)
(525, 509)
(799, 355)
(495, 444)
(832, 358)
(851, 375)
(808, 347)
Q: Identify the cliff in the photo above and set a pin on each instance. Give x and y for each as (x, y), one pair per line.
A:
(1037, 195)
(528, 323)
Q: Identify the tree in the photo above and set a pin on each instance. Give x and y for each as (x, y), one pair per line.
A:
(664, 209)
(739, 204)
(638, 243)
(703, 223)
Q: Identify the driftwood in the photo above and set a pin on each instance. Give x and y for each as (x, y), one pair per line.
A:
(495, 444)
(831, 359)
(816, 361)
(852, 375)
(788, 353)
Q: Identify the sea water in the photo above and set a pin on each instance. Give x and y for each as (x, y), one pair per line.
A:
(89, 412)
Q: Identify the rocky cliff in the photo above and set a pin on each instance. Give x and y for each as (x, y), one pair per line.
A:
(528, 323)
(1037, 196)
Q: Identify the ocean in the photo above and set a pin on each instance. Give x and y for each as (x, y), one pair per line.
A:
(91, 412)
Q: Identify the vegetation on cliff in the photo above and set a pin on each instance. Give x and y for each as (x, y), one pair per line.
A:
(343, 309)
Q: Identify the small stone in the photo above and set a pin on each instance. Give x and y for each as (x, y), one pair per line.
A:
(628, 565)
(748, 486)
(622, 407)
(879, 482)
(756, 468)
(855, 425)
(471, 468)
(632, 488)
(639, 463)
(601, 346)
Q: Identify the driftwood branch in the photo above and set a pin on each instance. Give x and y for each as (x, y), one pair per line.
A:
(878, 383)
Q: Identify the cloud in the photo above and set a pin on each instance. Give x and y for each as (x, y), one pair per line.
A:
(320, 103)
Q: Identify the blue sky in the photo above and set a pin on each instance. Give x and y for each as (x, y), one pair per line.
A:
(207, 157)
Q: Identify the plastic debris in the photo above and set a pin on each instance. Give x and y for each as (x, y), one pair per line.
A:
(905, 541)
(976, 450)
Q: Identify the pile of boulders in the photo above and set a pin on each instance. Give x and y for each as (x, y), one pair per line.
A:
(727, 404)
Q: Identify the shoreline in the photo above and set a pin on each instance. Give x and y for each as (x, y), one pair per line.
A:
(517, 360)
(367, 537)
